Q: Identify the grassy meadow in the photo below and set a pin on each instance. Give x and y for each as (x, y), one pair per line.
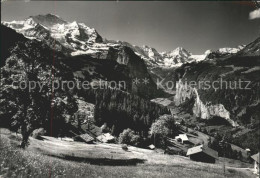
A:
(56, 158)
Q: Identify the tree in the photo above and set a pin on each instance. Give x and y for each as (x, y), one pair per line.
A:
(209, 142)
(239, 155)
(163, 128)
(234, 154)
(215, 143)
(129, 137)
(33, 108)
(72, 105)
(29, 103)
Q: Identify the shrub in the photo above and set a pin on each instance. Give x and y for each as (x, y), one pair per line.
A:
(124, 147)
(37, 133)
(136, 140)
(129, 137)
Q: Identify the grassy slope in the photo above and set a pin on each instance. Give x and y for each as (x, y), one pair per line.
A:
(36, 163)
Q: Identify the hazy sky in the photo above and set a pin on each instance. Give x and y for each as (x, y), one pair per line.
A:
(196, 26)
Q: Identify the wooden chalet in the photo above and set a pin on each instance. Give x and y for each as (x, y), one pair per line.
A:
(203, 154)
(256, 163)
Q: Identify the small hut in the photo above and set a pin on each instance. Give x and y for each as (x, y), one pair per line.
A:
(152, 147)
(203, 154)
(183, 138)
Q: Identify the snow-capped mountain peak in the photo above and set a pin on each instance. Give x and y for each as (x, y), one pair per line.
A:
(72, 36)
(152, 53)
(201, 57)
(208, 51)
(180, 51)
(175, 57)
(224, 52)
(48, 20)
(231, 50)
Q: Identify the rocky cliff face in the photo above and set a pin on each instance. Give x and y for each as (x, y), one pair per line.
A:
(207, 110)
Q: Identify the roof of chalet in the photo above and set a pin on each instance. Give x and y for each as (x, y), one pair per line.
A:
(152, 147)
(86, 137)
(105, 137)
(95, 130)
(183, 137)
(256, 157)
(203, 149)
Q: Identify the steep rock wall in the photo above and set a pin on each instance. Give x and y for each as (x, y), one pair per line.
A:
(203, 110)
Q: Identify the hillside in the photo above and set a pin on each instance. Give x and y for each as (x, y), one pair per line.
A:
(39, 160)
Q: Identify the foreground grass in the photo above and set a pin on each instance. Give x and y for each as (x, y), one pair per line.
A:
(15, 162)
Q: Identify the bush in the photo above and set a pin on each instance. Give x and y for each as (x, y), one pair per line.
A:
(124, 147)
(129, 137)
(38, 133)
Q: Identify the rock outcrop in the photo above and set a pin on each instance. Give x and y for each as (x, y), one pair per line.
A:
(203, 110)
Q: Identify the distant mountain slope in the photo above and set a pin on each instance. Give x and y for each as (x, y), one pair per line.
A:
(252, 49)
(8, 39)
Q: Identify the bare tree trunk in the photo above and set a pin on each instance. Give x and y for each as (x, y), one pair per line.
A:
(25, 139)
(26, 132)
(25, 136)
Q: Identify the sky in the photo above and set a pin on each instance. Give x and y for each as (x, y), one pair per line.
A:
(166, 25)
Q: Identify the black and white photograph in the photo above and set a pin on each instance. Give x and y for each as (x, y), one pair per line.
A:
(129, 89)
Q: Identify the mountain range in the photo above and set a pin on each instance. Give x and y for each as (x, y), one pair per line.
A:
(81, 48)
(73, 38)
